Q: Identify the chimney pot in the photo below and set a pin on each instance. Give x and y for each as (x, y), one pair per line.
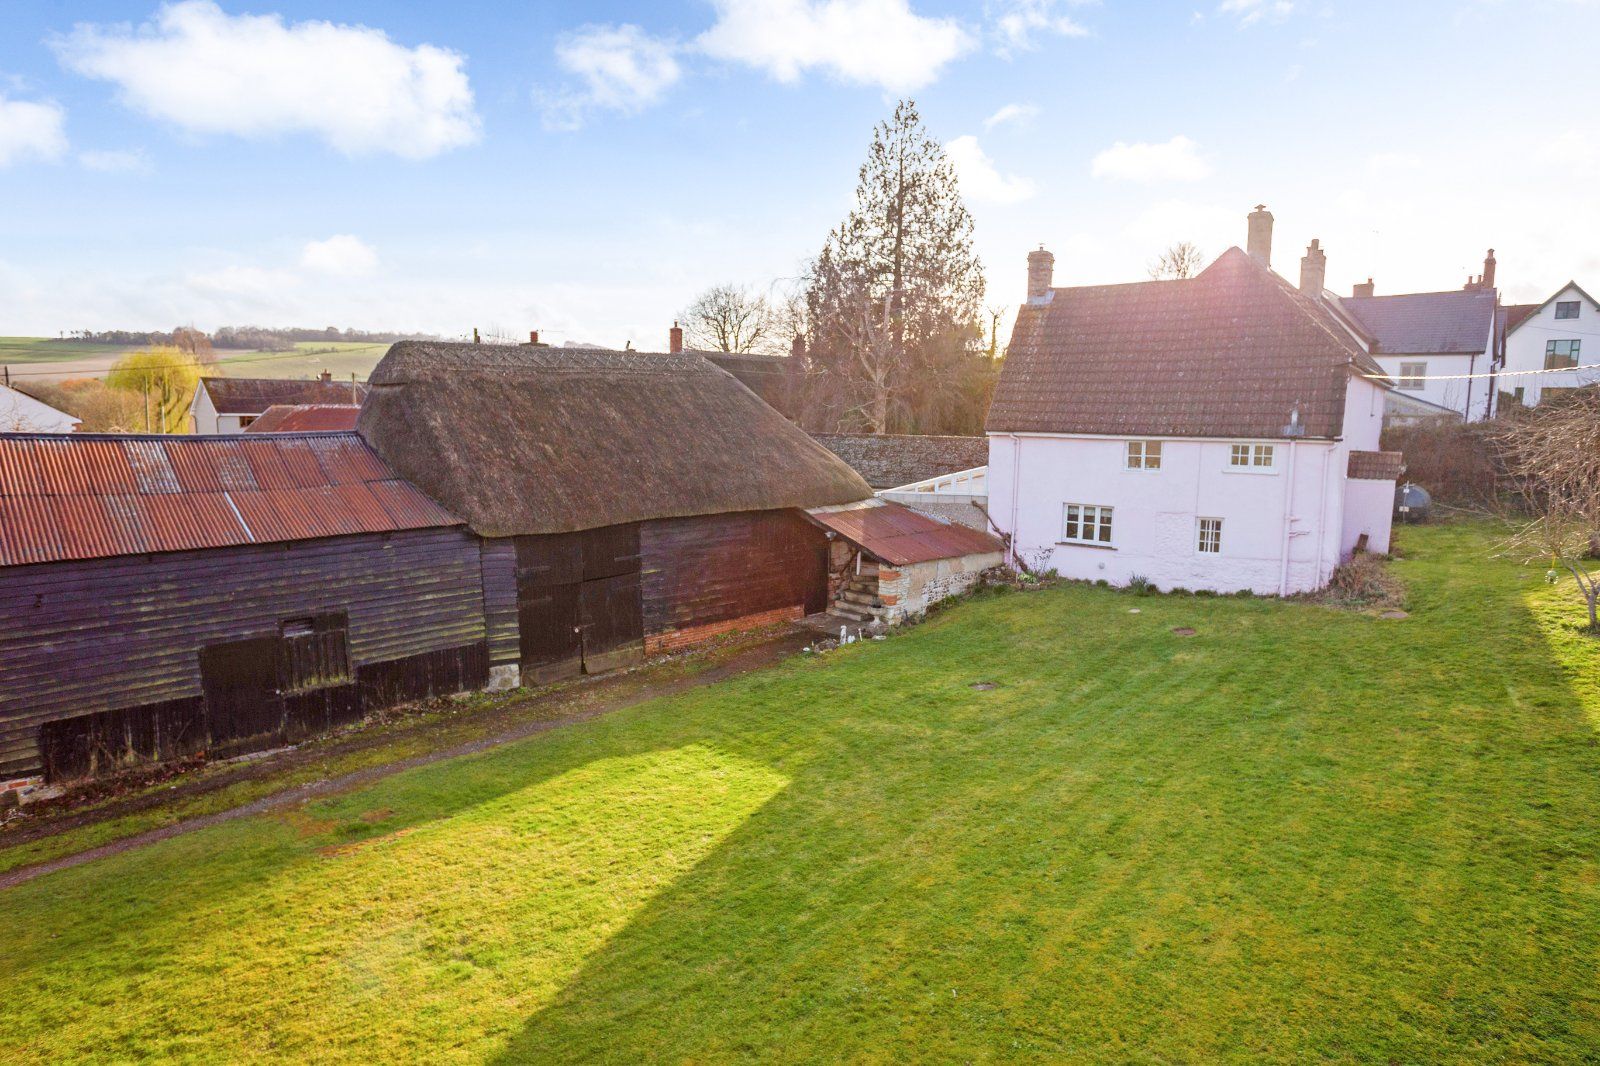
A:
(533, 336)
(1258, 241)
(327, 375)
(1313, 269)
(1363, 288)
(675, 339)
(1041, 272)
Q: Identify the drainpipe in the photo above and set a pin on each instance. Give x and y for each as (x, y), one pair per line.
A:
(1288, 519)
(1322, 515)
(1016, 495)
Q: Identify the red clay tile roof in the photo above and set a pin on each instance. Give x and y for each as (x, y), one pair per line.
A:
(1228, 353)
(306, 418)
(1375, 466)
(252, 396)
(1426, 323)
(86, 496)
(1516, 314)
(900, 536)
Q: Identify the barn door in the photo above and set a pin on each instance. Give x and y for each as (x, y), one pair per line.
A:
(611, 619)
(578, 603)
(240, 682)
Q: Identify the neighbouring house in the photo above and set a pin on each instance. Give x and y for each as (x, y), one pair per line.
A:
(1561, 336)
(21, 413)
(167, 595)
(306, 418)
(1218, 432)
(230, 405)
(1441, 349)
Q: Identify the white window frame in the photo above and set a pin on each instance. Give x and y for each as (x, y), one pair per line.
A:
(1413, 379)
(1142, 455)
(1095, 516)
(1252, 452)
(1202, 537)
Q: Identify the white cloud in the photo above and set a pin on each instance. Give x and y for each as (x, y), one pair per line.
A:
(1018, 22)
(249, 281)
(622, 68)
(115, 162)
(341, 255)
(1575, 150)
(869, 42)
(980, 180)
(1249, 12)
(1017, 113)
(1174, 160)
(255, 76)
(31, 130)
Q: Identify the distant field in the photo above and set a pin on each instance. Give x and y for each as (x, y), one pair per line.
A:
(42, 359)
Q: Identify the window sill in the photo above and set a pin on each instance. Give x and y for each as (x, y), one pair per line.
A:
(1085, 544)
(1266, 471)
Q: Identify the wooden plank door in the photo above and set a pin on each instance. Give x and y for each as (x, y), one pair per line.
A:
(240, 682)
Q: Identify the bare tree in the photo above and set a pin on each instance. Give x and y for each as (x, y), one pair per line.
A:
(1552, 458)
(731, 318)
(1182, 260)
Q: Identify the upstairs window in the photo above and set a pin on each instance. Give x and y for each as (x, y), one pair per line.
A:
(1561, 355)
(1567, 308)
(1412, 375)
(1254, 457)
(1087, 523)
(1144, 455)
(1210, 540)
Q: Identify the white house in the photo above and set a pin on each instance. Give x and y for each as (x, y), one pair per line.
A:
(1562, 332)
(229, 405)
(1439, 348)
(21, 413)
(1218, 432)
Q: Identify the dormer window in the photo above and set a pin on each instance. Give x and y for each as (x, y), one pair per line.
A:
(1144, 455)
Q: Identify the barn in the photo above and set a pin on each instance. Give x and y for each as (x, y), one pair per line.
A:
(167, 595)
(629, 503)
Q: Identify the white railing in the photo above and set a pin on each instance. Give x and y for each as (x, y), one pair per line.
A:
(960, 483)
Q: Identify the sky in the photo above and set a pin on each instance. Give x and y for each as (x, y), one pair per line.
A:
(585, 169)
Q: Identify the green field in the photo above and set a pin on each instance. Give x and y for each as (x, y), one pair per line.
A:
(17, 350)
(1297, 834)
(28, 357)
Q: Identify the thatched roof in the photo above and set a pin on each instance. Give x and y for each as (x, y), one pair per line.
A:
(550, 440)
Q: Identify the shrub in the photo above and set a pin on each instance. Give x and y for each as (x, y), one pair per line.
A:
(1140, 585)
(1456, 462)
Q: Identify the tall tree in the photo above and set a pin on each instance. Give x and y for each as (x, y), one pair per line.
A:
(892, 302)
(165, 378)
(730, 318)
(1182, 260)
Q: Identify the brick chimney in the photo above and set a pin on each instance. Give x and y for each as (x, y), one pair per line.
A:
(327, 375)
(1363, 288)
(1258, 241)
(1313, 269)
(533, 337)
(1041, 271)
(1488, 270)
(675, 339)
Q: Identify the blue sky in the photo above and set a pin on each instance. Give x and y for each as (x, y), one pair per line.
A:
(585, 169)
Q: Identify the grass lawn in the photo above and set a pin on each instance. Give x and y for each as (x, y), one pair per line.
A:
(1299, 833)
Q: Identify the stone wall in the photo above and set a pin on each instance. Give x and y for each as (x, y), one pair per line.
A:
(909, 591)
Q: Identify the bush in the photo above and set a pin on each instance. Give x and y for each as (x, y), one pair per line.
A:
(1365, 581)
(1455, 461)
(1140, 585)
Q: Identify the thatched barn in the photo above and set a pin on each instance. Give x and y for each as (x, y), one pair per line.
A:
(630, 503)
(168, 595)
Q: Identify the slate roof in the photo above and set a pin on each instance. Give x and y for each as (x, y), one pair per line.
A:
(1426, 323)
(87, 496)
(523, 440)
(900, 536)
(1227, 353)
(306, 418)
(252, 396)
(889, 460)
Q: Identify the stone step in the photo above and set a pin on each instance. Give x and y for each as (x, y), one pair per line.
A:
(859, 599)
(850, 610)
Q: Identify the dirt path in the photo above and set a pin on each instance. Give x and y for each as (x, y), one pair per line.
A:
(603, 696)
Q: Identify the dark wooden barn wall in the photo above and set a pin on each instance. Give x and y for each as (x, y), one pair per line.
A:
(499, 560)
(103, 634)
(713, 568)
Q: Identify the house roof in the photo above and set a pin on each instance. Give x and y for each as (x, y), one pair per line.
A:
(87, 496)
(1426, 323)
(306, 418)
(1513, 315)
(522, 440)
(252, 396)
(1230, 352)
(890, 460)
(1375, 466)
(1533, 309)
(21, 413)
(900, 536)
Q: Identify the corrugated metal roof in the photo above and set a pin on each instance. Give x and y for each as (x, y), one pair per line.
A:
(901, 536)
(77, 496)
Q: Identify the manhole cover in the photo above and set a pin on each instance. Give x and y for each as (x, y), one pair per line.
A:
(1183, 631)
(985, 686)
(1134, 610)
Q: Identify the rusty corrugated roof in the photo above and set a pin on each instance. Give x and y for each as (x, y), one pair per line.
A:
(79, 496)
(901, 536)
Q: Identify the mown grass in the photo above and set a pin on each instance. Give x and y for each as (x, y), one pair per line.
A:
(1299, 833)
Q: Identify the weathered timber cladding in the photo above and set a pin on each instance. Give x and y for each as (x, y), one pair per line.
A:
(712, 568)
(100, 635)
(499, 560)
